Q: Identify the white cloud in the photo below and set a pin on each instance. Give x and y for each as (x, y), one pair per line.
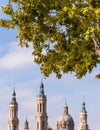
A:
(16, 57)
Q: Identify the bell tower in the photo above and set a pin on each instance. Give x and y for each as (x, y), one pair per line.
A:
(83, 118)
(13, 121)
(41, 118)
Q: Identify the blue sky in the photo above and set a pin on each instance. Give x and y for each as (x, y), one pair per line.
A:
(17, 67)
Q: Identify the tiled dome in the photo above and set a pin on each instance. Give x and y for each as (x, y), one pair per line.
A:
(66, 119)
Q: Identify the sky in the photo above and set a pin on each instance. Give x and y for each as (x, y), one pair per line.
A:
(17, 69)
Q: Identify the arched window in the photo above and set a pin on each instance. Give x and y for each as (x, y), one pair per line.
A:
(10, 113)
(40, 107)
(37, 107)
(15, 113)
(43, 107)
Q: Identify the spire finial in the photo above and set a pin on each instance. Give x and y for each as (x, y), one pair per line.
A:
(83, 99)
(65, 102)
(65, 108)
(14, 93)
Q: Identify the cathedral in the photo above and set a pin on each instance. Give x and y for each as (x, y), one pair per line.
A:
(65, 122)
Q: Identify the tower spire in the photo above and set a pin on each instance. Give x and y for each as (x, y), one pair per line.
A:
(26, 127)
(83, 107)
(83, 118)
(13, 101)
(41, 93)
(41, 118)
(13, 121)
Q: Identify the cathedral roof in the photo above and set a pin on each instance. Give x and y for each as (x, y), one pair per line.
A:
(66, 119)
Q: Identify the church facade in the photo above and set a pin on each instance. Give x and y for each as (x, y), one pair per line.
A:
(65, 122)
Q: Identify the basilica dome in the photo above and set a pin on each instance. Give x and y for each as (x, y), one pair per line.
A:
(65, 118)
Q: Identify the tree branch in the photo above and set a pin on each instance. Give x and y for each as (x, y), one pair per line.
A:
(96, 43)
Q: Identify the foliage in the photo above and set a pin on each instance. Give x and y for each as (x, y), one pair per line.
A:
(65, 34)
